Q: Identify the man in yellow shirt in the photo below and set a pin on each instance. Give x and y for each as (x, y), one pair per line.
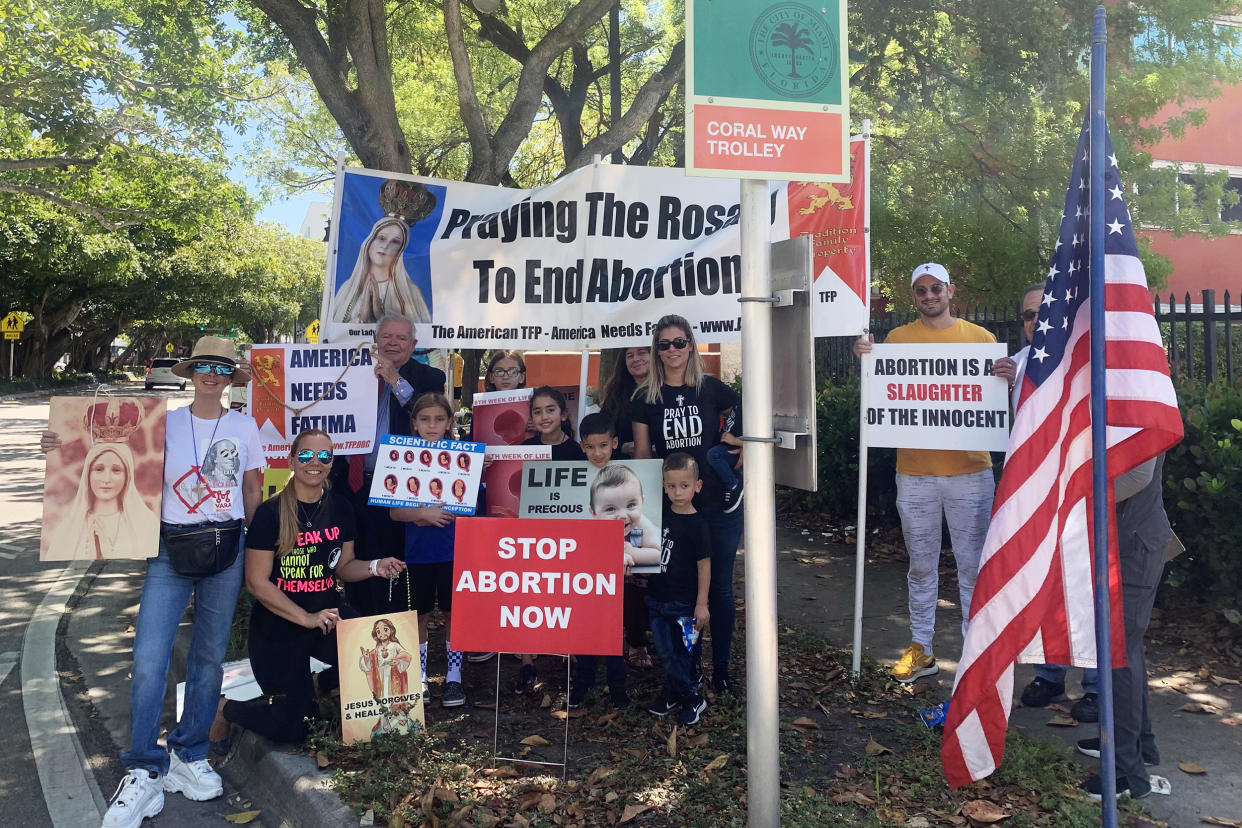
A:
(933, 482)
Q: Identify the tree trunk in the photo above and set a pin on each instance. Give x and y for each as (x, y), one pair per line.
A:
(357, 48)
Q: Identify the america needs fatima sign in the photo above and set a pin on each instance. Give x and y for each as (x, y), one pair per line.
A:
(767, 95)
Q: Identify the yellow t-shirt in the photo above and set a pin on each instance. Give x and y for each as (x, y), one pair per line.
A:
(940, 461)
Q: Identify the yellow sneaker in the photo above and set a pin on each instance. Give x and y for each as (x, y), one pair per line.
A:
(915, 662)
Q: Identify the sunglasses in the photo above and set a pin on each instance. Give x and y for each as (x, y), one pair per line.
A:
(306, 455)
(218, 370)
(506, 372)
(678, 343)
(1029, 315)
(934, 290)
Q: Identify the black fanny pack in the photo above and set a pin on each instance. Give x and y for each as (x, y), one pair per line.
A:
(203, 549)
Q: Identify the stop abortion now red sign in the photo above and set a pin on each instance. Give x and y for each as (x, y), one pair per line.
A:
(525, 585)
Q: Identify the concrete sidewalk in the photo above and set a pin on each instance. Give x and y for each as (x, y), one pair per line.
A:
(816, 586)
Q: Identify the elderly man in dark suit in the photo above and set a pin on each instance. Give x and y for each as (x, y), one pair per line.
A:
(402, 381)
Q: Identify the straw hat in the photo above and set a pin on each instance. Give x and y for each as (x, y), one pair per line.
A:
(213, 350)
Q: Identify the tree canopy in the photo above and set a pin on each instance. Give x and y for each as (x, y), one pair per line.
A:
(974, 109)
(120, 215)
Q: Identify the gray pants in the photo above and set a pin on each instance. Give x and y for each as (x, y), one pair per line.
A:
(964, 501)
(1141, 570)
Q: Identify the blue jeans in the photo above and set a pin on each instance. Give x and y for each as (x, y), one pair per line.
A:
(726, 532)
(679, 684)
(721, 461)
(1055, 673)
(165, 595)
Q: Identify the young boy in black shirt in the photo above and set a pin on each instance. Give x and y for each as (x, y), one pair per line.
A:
(677, 598)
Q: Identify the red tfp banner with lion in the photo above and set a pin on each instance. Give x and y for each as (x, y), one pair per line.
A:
(538, 586)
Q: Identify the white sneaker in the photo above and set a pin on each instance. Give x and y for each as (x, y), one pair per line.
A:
(140, 795)
(194, 780)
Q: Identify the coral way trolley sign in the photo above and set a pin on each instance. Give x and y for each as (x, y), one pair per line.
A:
(767, 94)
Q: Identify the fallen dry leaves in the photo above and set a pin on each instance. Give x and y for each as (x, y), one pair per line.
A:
(874, 748)
(1192, 768)
(632, 811)
(983, 812)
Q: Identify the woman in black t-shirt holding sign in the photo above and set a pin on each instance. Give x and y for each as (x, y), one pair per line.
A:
(299, 542)
(681, 408)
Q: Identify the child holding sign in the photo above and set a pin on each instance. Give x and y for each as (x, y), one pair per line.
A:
(677, 597)
(616, 493)
(550, 414)
(599, 439)
(429, 538)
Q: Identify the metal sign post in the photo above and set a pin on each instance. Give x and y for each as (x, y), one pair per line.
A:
(763, 782)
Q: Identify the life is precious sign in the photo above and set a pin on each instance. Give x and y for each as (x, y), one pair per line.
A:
(935, 396)
(525, 585)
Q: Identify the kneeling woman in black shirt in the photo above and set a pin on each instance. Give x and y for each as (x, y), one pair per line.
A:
(299, 542)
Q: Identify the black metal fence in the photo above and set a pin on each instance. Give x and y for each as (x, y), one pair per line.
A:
(1203, 341)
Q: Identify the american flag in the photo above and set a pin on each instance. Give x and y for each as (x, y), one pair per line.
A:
(1033, 598)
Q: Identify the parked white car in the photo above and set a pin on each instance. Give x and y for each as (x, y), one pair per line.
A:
(160, 373)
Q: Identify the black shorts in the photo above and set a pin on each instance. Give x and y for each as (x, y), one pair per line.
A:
(432, 586)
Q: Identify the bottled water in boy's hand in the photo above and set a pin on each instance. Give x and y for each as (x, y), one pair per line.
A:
(689, 635)
(933, 717)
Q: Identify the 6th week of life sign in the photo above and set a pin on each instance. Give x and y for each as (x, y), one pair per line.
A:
(935, 397)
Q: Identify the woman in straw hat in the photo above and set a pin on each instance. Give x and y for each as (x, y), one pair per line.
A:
(202, 429)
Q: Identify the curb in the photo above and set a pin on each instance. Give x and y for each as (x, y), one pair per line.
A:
(289, 788)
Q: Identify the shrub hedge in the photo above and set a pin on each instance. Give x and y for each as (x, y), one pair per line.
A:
(837, 414)
(1203, 494)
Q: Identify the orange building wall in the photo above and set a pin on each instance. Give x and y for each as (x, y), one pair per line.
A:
(1201, 264)
(1213, 143)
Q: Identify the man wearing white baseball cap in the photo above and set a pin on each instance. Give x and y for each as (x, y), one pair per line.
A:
(933, 482)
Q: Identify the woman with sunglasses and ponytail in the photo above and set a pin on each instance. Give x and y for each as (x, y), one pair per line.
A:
(299, 543)
(212, 486)
(679, 407)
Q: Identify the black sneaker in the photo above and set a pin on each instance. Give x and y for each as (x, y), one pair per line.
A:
(578, 695)
(723, 684)
(1135, 789)
(526, 680)
(733, 497)
(619, 698)
(454, 695)
(1091, 747)
(1040, 692)
(1087, 709)
(689, 713)
(662, 707)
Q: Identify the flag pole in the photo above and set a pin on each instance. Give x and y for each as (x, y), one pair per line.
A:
(1099, 442)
